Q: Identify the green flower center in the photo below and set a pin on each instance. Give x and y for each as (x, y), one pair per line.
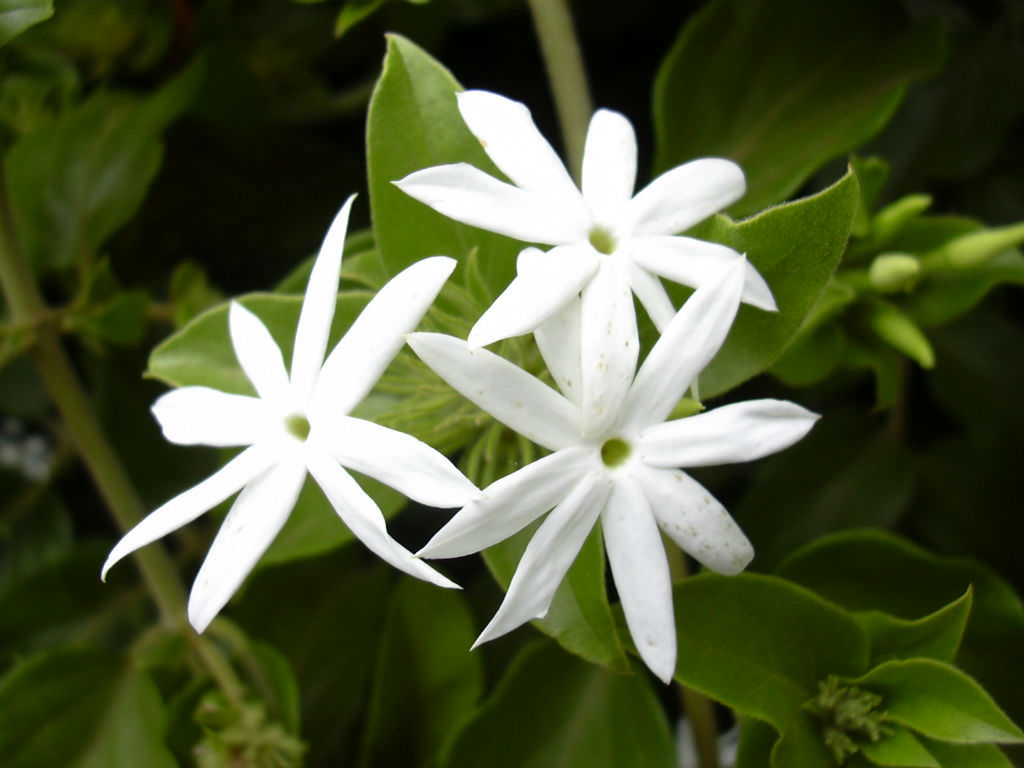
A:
(615, 451)
(297, 426)
(602, 240)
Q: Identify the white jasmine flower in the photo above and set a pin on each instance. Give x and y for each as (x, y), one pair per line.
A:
(601, 233)
(625, 475)
(298, 423)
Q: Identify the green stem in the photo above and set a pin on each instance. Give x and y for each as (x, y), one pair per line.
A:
(564, 63)
(26, 305)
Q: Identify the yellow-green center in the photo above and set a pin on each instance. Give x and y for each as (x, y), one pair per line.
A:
(614, 452)
(297, 426)
(602, 240)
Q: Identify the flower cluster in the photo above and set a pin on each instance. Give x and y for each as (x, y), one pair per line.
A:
(614, 454)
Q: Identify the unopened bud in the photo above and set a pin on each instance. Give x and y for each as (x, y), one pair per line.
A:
(897, 330)
(974, 248)
(894, 217)
(891, 272)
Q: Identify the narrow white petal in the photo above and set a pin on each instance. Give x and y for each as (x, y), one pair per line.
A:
(548, 556)
(467, 194)
(398, 460)
(545, 283)
(689, 342)
(683, 196)
(727, 435)
(510, 138)
(640, 570)
(509, 504)
(258, 354)
(692, 262)
(609, 346)
(187, 506)
(358, 360)
(318, 307)
(695, 520)
(204, 416)
(609, 165)
(508, 393)
(652, 295)
(255, 518)
(363, 517)
(558, 339)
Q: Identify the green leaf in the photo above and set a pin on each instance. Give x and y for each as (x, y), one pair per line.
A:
(554, 710)
(80, 709)
(967, 755)
(936, 636)
(899, 748)
(191, 292)
(76, 181)
(18, 15)
(765, 77)
(120, 320)
(277, 686)
(414, 123)
(426, 680)
(755, 745)
(939, 701)
(796, 247)
(579, 618)
(944, 296)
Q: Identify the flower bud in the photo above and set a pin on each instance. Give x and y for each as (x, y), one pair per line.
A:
(891, 272)
(974, 248)
(897, 330)
(894, 217)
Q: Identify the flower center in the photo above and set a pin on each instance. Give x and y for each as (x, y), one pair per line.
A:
(297, 426)
(602, 240)
(615, 451)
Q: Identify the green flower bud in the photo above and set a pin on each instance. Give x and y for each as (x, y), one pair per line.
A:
(974, 248)
(894, 217)
(897, 330)
(891, 272)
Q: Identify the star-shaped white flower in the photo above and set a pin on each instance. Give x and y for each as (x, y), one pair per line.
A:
(298, 423)
(627, 474)
(602, 233)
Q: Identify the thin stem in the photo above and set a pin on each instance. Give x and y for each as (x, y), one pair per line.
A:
(564, 63)
(26, 305)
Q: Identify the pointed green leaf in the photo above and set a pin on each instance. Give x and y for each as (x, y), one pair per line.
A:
(899, 748)
(967, 755)
(796, 247)
(414, 123)
(552, 710)
(940, 701)
(766, 76)
(936, 636)
(18, 15)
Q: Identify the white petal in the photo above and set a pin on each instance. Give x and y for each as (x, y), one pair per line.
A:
(727, 435)
(509, 504)
(469, 195)
(358, 360)
(548, 556)
(683, 196)
(508, 393)
(558, 340)
(398, 460)
(609, 346)
(318, 307)
(640, 569)
(694, 519)
(692, 262)
(652, 295)
(544, 284)
(258, 354)
(609, 165)
(255, 518)
(689, 342)
(363, 517)
(204, 416)
(187, 506)
(511, 139)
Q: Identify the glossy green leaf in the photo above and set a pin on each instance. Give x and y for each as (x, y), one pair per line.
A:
(579, 618)
(796, 247)
(414, 123)
(80, 709)
(764, 77)
(899, 748)
(552, 709)
(426, 679)
(76, 181)
(967, 755)
(18, 15)
(936, 636)
(939, 701)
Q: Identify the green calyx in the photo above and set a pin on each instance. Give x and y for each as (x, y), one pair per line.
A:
(297, 426)
(602, 240)
(848, 715)
(615, 451)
